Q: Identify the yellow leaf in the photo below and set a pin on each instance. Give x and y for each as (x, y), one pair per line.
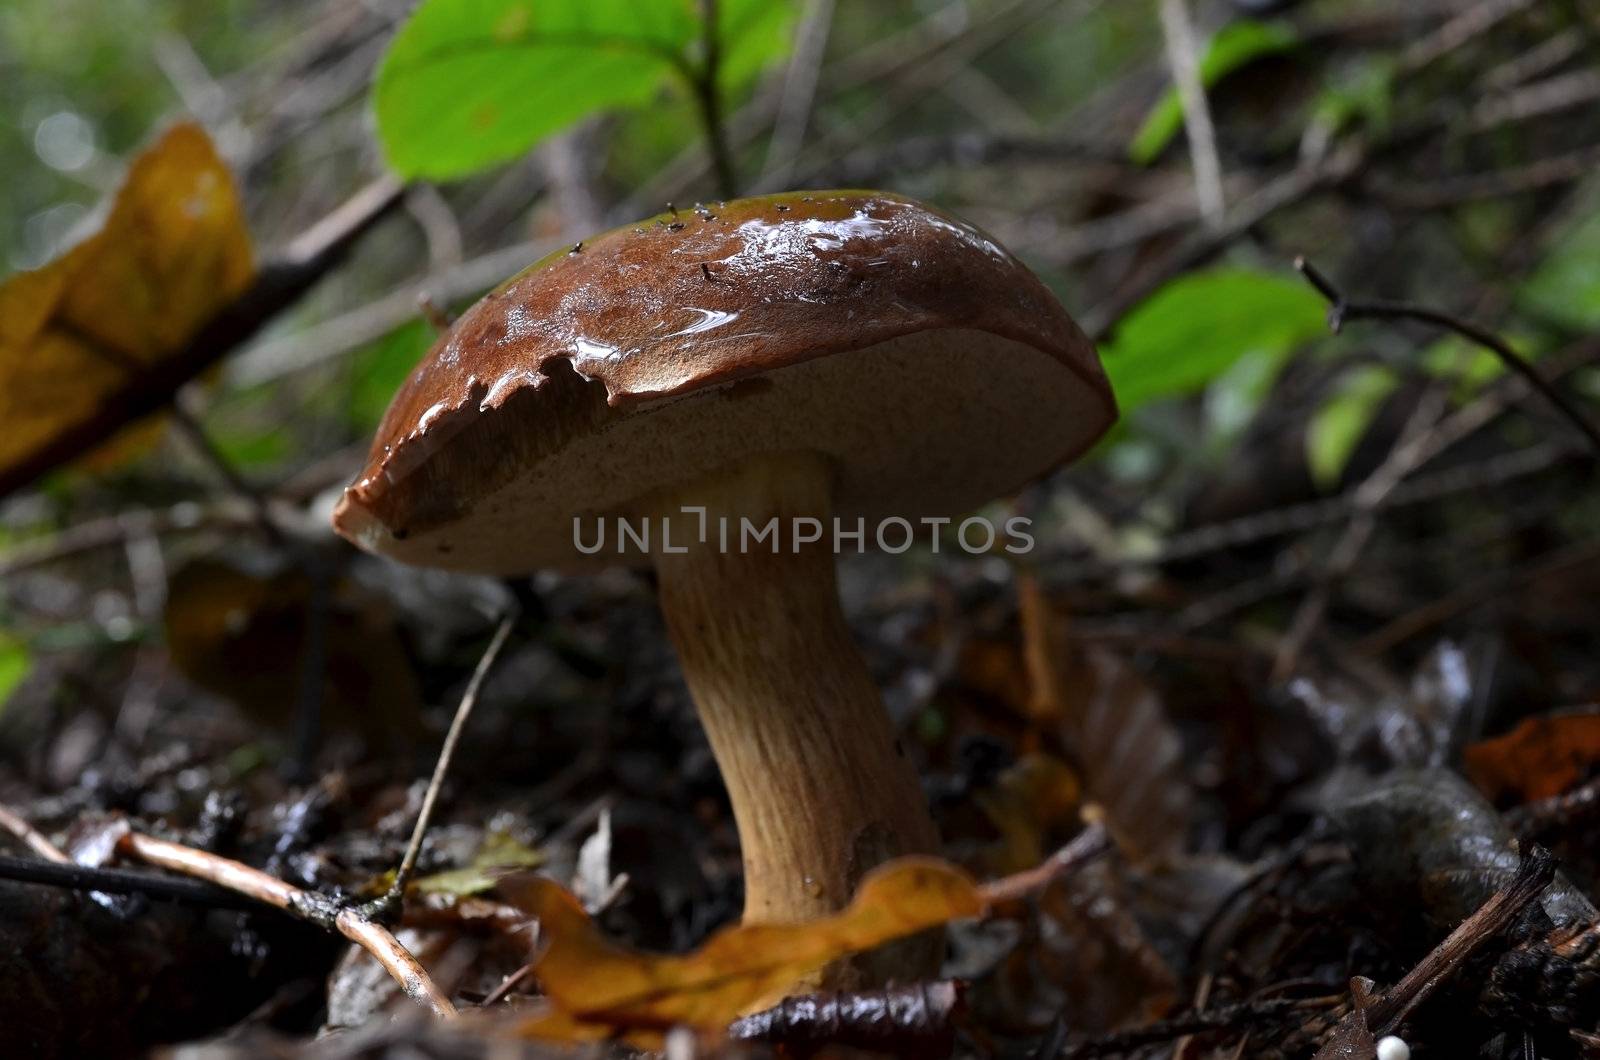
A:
(598, 989)
(173, 250)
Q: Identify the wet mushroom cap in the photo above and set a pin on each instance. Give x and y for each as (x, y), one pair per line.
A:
(931, 367)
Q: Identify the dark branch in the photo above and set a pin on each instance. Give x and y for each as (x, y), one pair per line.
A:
(122, 881)
(1341, 309)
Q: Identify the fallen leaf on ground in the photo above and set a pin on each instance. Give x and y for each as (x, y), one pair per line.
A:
(173, 250)
(1114, 724)
(1540, 758)
(598, 989)
(501, 851)
(239, 630)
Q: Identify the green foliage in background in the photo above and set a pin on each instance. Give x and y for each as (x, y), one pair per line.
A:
(1236, 45)
(80, 88)
(1565, 289)
(1201, 324)
(467, 84)
(14, 664)
(1337, 427)
(378, 370)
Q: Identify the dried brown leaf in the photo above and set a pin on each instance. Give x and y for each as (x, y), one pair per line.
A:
(173, 250)
(598, 989)
(1539, 759)
(1116, 726)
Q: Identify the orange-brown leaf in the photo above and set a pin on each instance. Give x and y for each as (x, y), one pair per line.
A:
(1540, 758)
(597, 988)
(173, 250)
(1114, 723)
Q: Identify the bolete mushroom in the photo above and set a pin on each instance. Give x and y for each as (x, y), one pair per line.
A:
(838, 360)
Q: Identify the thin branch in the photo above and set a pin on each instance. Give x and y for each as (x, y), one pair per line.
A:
(31, 837)
(1293, 187)
(1391, 1008)
(113, 530)
(75, 877)
(1178, 31)
(1089, 845)
(706, 82)
(1341, 310)
(348, 921)
(799, 92)
(392, 902)
(1309, 515)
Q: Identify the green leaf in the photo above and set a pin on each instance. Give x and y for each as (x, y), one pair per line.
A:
(1338, 426)
(1565, 288)
(499, 853)
(1196, 327)
(379, 369)
(1237, 44)
(14, 664)
(469, 83)
(1364, 95)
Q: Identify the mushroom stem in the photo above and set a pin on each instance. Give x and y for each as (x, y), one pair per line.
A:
(820, 789)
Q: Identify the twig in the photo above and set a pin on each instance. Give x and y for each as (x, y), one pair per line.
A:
(1178, 31)
(114, 530)
(1515, 180)
(1089, 844)
(31, 837)
(72, 876)
(1220, 1018)
(1308, 515)
(799, 92)
(391, 903)
(1370, 498)
(272, 358)
(1391, 1008)
(705, 81)
(1341, 310)
(277, 285)
(1490, 587)
(1284, 191)
(348, 921)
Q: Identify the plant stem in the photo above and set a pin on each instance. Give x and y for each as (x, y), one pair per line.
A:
(703, 80)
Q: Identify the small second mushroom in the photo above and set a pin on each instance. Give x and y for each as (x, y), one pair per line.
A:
(841, 362)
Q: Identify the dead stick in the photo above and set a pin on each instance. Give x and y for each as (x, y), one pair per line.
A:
(391, 903)
(1090, 844)
(74, 877)
(1392, 1007)
(1341, 309)
(31, 837)
(348, 921)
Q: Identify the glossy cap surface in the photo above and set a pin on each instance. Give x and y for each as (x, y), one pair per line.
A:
(931, 366)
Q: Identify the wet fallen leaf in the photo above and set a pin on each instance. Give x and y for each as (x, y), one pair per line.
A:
(1540, 758)
(598, 989)
(173, 250)
(1085, 958)
(1114, 724)
(241, 633)
(500, 852)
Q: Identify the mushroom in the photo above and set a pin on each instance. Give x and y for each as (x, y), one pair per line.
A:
(840, 361)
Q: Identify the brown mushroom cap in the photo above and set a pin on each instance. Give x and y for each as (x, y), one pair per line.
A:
(930, 365)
